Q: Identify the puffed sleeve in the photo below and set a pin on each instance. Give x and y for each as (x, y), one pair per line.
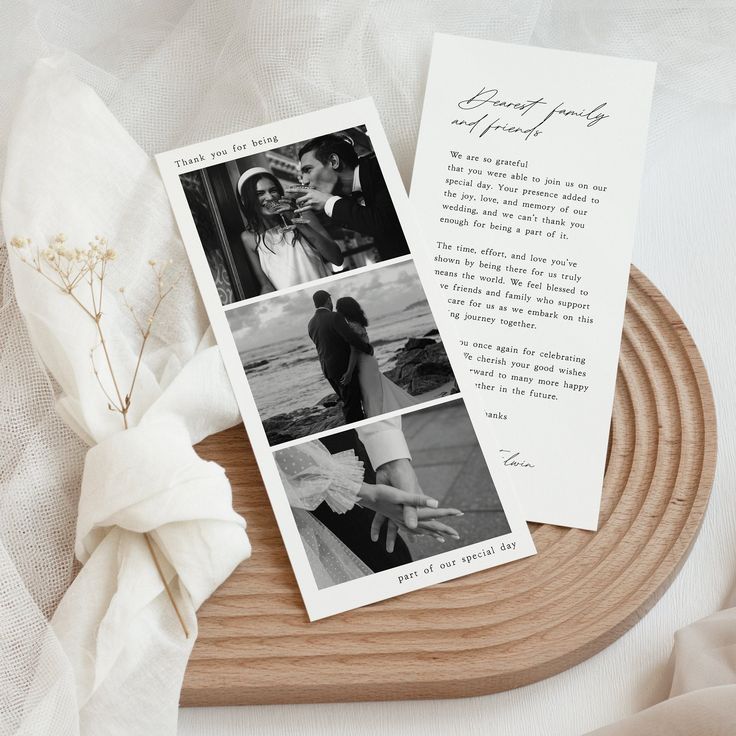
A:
(310, 475)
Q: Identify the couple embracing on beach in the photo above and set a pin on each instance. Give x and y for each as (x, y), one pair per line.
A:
(347, 360)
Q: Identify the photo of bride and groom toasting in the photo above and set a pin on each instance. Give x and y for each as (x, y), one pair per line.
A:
(294, 214)
(343, 358)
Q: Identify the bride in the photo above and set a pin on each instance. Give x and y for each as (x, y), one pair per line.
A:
(282, 254)
(379, 394)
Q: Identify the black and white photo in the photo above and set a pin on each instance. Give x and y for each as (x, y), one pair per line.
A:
(358, 347)
(350, 493)
(294, 214)
(298, 234)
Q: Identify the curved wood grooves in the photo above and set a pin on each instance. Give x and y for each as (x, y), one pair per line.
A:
(497, 629)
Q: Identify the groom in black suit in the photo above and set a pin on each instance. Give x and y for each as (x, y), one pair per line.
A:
(333, 339)
(351, 191)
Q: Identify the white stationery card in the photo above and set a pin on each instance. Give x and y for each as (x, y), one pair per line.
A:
(526, 185)
(301, 239)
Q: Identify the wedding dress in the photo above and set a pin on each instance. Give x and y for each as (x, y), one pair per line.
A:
(380, 394)
(288, 261)
(311, 475)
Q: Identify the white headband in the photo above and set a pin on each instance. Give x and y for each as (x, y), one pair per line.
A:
(251, 172)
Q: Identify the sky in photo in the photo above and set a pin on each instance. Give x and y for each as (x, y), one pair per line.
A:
(381, 291)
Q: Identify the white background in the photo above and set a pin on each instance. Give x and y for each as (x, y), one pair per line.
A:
(177, 71)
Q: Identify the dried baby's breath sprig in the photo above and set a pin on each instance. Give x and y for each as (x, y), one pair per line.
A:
(163, 290)
(72, 269)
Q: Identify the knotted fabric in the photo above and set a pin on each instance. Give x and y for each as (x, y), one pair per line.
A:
(115, 634)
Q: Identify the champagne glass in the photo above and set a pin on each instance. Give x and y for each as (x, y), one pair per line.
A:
(293, 193)
(279, 208)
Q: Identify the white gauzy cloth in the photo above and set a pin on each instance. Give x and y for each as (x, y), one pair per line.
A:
(71, 167)
(180, 71)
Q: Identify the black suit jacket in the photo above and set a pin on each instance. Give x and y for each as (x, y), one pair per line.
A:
(333, 338)
(378, 217)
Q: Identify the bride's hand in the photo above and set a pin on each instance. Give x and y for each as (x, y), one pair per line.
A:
(295, 218)
(426, 515)
(391, 515)
(346, 378)
(433, 527)
(428, 522)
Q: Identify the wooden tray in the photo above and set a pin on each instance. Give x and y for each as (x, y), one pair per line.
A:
(497, 629)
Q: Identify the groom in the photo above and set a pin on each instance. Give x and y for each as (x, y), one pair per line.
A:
(333, 339)
(351, 191)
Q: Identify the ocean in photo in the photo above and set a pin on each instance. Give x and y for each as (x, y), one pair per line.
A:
(286, 375)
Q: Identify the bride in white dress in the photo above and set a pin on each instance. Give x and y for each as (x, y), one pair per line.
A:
(282, 256)
(379, 394)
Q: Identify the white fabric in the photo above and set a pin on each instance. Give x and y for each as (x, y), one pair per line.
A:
(149, 479)
(178, 71)
(311, 475)
(380, 394)
(115, 632)
(331, 561)
(702, 699)
(287, 261)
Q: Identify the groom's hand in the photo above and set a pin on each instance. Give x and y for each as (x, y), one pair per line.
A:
(400, 474)
(313, 200)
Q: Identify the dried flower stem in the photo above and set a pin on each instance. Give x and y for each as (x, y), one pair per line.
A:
(89, 265)
(166, 585)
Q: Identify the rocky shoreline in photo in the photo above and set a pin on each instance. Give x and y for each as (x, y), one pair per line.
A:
(421, 368)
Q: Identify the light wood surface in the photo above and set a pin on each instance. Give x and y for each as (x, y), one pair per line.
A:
(501, 628)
